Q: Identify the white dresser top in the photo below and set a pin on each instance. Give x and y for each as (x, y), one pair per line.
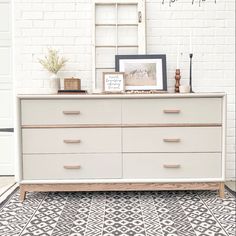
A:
(126, 95)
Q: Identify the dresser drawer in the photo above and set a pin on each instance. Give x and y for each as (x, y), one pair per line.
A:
(172, 111)
(69, 112)
(172, 165)
(172, 139)
(71, 140)
(71, 166)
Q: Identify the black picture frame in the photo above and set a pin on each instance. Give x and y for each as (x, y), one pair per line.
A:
(144, 58)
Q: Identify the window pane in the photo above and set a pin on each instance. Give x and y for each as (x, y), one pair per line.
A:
(127, 14)
(105, 57)
(106, 14)
(105, 35)
(128, 35)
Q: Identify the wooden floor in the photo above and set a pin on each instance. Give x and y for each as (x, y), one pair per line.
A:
(5, 183)
(7, 186)
(231, 185)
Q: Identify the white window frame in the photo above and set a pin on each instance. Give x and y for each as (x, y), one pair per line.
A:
(141, 29)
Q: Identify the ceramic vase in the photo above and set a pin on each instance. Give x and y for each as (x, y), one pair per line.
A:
(54, 84)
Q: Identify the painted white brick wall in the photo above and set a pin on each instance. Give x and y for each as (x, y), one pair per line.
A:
(66, 25)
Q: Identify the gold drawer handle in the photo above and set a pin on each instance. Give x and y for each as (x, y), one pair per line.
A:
(172, 140)
(71, 112)
(72, 141)
(171, 166)
(171, 111)
(75, 167)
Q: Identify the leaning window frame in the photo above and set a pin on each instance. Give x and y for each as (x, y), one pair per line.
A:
(141, 4)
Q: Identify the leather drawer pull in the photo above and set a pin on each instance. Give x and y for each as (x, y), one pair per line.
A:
(71, 141)
(75, 167)
(171, 140)
(71, 112)
(171, 111)
(171, 166)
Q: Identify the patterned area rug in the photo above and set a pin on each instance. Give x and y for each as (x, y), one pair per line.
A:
(182, 213)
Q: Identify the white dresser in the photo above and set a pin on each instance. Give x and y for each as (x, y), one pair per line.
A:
(121, 142)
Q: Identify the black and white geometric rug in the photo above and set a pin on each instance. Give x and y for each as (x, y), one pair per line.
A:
(163, 213)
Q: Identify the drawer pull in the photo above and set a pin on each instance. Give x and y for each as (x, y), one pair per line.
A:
(171, 166)
(171, 140)
(71, 141)
(71, 112)
(72, 167)
(171, 111)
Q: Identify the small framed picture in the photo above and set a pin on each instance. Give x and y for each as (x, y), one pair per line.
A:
(113, 82)
(143, 72)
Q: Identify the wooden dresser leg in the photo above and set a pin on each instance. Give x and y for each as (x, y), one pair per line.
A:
(222, 190)
(22, 194)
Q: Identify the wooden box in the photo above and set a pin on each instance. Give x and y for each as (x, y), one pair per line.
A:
(72, 84)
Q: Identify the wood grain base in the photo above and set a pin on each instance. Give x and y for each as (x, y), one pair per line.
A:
(119, 187)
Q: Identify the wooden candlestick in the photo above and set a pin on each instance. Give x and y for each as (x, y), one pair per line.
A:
(177, 80)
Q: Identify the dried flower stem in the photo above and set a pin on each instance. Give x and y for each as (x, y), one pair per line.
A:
(53, 63)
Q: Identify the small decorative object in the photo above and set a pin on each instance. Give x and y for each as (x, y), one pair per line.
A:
(143, 72)
(113, 82)
(184, 88)
(53, 63)
(177, 80)
(72, 84)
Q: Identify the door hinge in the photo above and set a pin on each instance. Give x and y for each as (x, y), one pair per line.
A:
(139, 17)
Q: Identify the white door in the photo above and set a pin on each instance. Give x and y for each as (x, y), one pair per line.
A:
(6, 96)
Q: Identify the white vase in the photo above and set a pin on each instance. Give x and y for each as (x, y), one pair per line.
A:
(54, 84)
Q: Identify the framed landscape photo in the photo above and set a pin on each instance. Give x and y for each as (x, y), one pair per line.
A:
(113, 82)
(143, 72)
